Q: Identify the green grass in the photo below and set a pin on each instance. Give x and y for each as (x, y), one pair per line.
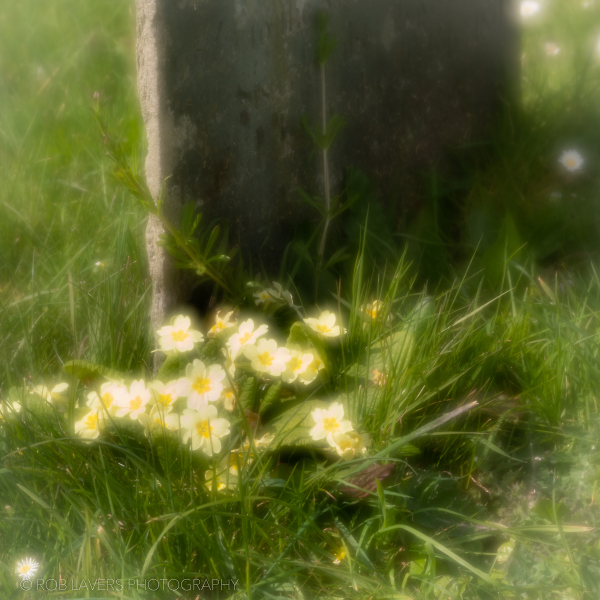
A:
(60, 211)
(501, 501)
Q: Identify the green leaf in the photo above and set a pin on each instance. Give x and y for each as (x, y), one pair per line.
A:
(545, 510)
(172, 368)
(291, 420)
(420, 317)
(505, 248)
(248, 393)
(270, 397)
(85, 370)
(210, 353)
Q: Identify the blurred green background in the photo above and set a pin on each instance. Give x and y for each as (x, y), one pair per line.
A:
(72, 276)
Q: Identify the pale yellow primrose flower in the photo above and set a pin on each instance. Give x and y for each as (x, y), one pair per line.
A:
(164, 395)
(551, 49)
(204, 429)
(351, 443)
(134, 403)
(340, 555)
(89, 426)
(281, 294)
(529, 8)
(571, 160)
(245, 335)
(312, 370)
(269, 295)
(228, 397)
(266, 357)
(202, 384)
(263, 442)
(179, 336)
(229, 364)
(378, 378)
(325, 325)
(6, 409)
(110, 393)
(329, 421)
(159, 419)
(56, 393)
(224, 481)
(374, 308)
(263, 297)
(221, 323)
(27, 568)
(297, 365)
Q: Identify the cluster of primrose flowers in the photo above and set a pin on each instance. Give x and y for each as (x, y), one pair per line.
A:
(188, 405)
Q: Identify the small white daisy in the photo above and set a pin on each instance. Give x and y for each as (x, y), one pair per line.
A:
(551, 48)
(27, 568)
(529, 8)
(571, 160)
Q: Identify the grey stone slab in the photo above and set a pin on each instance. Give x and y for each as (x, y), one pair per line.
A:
(223, 85)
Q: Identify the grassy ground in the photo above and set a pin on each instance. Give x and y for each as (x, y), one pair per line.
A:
(62, 218)
(501, 502)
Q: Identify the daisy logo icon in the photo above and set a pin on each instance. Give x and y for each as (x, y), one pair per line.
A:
(27, 568)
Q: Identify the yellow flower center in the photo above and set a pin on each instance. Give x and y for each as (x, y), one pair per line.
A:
(265, 359)
(204, 429)
(164, 399)
(135, 403)
(220, 325)
(179, 336)
(330, 424)
(25, 568)
(92, 422)
(245, 338)
(570, 162)
(157, 421)
(107, 399)
(323, 328)
(295, 363)
(201, 385)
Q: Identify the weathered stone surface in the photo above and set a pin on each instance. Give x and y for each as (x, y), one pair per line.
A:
(223, 85)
